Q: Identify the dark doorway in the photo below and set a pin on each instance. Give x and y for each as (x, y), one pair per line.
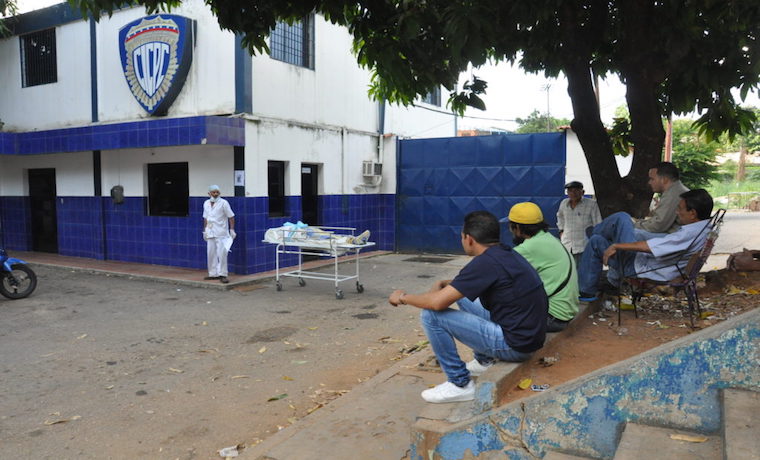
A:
(168, 189)
(310, 193)
(42, 195)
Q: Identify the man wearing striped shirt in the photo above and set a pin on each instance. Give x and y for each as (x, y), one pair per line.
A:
(574, 216)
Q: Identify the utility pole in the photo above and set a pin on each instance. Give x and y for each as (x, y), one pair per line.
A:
(669, 139)
(546, 88)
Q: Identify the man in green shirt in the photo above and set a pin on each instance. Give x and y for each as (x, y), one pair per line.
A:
(548, 256)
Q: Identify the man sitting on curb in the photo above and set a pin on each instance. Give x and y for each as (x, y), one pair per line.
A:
(654, 258)
(502, 310)
(552, 261)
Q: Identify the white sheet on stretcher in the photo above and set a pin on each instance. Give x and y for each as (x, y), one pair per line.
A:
(312, 238)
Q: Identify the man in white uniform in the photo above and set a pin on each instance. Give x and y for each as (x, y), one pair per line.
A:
(218, 231)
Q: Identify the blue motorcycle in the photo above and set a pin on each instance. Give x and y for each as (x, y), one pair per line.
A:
(17, 280)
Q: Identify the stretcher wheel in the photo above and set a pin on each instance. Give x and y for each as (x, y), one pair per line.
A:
(359, 287)
(338, 294)
(279, 286)
(301, 282)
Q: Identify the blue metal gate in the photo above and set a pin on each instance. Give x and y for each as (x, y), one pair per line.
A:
(441, 180)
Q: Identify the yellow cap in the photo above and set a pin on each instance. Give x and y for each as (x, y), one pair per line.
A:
(526, 213)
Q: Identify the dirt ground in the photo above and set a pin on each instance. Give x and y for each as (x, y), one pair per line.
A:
(600, 341)
(96, 367)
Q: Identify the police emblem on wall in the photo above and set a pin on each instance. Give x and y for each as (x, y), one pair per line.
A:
(156, 53)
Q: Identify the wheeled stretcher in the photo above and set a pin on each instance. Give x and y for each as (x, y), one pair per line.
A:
(317, 241)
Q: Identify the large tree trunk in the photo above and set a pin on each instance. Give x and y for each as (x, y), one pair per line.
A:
(612, 192)
(594, 139)
(648, 138)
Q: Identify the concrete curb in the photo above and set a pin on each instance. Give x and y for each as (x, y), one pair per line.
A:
(234, 283)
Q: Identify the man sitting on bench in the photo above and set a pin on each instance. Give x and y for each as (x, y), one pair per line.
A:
(656, 258)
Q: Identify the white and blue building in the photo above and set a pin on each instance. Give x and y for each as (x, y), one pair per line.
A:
(158, 107)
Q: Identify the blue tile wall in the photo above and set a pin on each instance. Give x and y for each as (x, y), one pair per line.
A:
(133, 236)
(97, 228)
(80, 226)
(15, 223)
(140, 134)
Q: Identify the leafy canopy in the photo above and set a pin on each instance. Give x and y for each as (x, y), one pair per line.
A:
(7, 8)
(702, 48)
(694, 155)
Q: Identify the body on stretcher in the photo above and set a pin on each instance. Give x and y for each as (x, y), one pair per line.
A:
(324, 239)
(301, 239)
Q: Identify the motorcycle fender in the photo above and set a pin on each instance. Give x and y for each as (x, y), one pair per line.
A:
(12, 261)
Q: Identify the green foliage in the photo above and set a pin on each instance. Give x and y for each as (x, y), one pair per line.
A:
(620, 135)
(7, 8)
(694, 155)
(734, 194)
(750, 138)
(540, 123)
(727, 171)
(622, 112)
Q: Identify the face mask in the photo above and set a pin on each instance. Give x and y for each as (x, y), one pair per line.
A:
(213, 199)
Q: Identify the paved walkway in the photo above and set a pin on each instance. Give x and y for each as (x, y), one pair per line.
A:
(177, 275)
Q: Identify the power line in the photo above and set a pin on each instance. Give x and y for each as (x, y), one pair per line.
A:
(463, 116)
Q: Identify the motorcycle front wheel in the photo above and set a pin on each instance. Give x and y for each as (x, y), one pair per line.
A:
(18, 283)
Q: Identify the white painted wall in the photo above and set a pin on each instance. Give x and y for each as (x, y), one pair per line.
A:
(209, 88)
(339, 153)
(210, 85)
(54, 105)
(577, 166)
(425, 120)
(206, 165)
(334, 93)
(73, 173)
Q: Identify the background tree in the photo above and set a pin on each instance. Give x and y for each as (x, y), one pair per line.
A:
(748, 142)
(7, 8)
(694, 155)
(540, 123)
(673, 56)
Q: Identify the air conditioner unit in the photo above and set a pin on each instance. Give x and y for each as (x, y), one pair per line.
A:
(372, 169)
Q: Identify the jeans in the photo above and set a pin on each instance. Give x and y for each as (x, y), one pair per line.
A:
(617, 228)
(472, 326)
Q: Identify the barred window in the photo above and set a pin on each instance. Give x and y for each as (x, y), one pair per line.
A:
(38, 63)
(433, 97)
(294, 44)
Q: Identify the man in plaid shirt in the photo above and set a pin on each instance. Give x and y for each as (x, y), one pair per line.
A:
(574, 216)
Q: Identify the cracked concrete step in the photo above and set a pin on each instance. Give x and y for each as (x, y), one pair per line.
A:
(551, 455)
(740, 424)
(643, 441)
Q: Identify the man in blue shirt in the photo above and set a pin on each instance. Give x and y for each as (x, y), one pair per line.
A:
(502, 310)
(656, 258)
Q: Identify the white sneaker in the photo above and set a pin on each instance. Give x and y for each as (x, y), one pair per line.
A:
(476, 368)
(448, 392)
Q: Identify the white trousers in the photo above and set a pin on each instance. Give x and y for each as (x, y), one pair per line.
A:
(217, 257)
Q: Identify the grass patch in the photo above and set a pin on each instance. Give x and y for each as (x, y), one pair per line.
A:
(737, 194)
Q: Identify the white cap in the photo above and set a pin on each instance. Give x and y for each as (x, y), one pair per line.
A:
(211, 188)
